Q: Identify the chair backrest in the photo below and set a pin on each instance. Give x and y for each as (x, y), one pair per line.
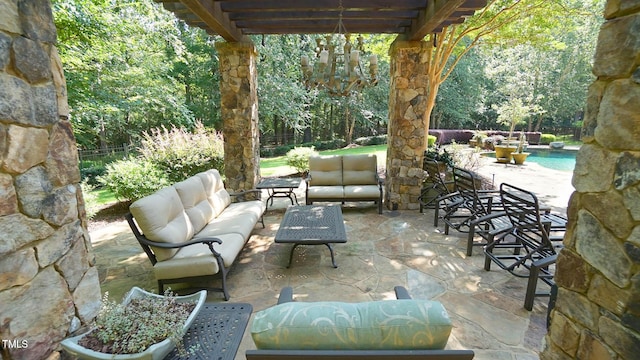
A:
(325, 170)
(523, 210)
(467, 185)
(434, 170)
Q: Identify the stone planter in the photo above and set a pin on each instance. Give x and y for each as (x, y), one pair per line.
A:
(518, 158)
(154, 352)
(503, 153)
(556, 145)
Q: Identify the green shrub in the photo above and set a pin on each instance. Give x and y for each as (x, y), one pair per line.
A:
(546, 139)
(371, 140)
(298, 158)
(181, 154)
(90, 174)
(133, 179)
(431, 140)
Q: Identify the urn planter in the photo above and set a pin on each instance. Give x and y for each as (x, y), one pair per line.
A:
(518, 158)
(154, 352)
(503, 153)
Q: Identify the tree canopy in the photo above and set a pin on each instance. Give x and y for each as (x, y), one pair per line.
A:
(131, 66)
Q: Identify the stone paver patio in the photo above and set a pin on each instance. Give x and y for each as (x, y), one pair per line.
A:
(395, 248)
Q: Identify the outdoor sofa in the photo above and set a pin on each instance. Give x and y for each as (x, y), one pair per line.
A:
(342, 178)
(388, 329)
(192, 231)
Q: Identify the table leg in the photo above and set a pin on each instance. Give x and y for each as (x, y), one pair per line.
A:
(291, 254)
(333, 259)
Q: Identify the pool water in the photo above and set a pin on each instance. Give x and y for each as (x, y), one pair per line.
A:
(563, 160)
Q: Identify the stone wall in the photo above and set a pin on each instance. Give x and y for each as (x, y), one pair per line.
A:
(239, 110)
(406, 136)
(48, 282)
(597, 314)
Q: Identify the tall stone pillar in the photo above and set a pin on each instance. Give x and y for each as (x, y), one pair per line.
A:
(407, 124)
(239, 98)
(597, 314)
(48, 282)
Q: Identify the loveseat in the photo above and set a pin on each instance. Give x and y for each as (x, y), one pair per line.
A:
(344, 178)
(192, 231)
(388, 329)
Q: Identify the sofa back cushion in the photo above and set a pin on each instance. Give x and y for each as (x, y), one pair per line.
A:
(375, 325)
(216, 193)
(162, 218)
(325, 170)
(359, 169)
(195, 202)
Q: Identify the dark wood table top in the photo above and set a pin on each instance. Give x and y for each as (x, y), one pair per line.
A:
(279, 183)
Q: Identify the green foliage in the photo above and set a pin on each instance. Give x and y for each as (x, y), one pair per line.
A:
(371, 140)
(91, 173)
(91, 203)
(298, 158)
(180, 153)
(133, 179)
(132, 328)
(546, 139)
(431, 140)
(440, 155)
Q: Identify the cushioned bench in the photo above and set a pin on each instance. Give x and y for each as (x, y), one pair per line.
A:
(192, 230)
(344, 178)
(390, 329)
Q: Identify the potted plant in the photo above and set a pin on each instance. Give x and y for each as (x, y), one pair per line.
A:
(510, 113)
(143, 326)
(519, 156)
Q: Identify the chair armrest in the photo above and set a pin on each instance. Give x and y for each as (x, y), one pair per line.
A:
(241, 194)
(164, 245)
(286, 295)
(544, 262)
(401, 293)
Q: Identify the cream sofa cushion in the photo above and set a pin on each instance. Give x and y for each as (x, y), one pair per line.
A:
(218, 196)
(195, 202)
(325, 192)
(325, 170)
(197, 260)
(361, 192)
(359, 169)
(162, 218)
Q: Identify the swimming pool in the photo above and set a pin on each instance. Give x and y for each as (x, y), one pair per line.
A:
(563, 160)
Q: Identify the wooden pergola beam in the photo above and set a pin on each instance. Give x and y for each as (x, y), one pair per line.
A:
(210, 13)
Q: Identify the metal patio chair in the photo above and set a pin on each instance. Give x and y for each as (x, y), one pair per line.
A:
(526, 250)
(436, 185)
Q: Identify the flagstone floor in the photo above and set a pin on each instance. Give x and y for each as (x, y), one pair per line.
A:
(395, 248)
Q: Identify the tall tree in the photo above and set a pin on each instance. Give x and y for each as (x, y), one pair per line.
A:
(500, 22)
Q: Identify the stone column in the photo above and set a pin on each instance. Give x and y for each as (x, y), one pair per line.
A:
(239, 107)
(407, 129)
(48, 282)
(597, 314)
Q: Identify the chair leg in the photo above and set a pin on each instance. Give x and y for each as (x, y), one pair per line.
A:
(531, 287)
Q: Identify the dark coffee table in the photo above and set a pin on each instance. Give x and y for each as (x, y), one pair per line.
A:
(280, 187)
(312, 225)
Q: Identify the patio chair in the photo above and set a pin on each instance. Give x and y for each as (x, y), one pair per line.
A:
(436, 186)
(286, 296)
(471, 203)
(526, 250)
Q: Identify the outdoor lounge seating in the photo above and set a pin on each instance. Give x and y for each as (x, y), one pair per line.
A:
(389, 329)
(344, 178)
(470, 202)
(436, 185)
(526, 250)
(191, 231)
